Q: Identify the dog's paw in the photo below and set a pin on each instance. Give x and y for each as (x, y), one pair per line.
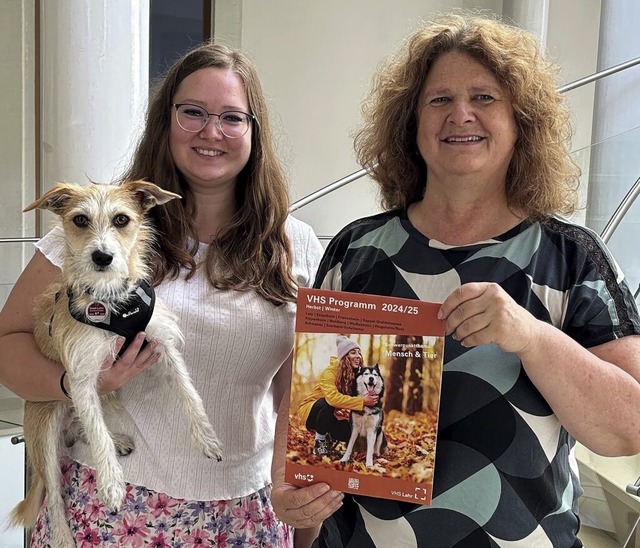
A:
(111, 487)
(124, 444)
(112, 495)
(344, 459)
(212, 449)
(207, 440)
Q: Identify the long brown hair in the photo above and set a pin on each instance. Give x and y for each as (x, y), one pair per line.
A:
(254, 252)
(542, 178)
(346, 374)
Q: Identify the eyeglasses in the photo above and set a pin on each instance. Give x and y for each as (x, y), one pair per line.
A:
(232, 123)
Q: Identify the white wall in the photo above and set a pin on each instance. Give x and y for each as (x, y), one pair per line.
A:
(572, 41)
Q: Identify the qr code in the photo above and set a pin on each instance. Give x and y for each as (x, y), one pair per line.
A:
(353, 483)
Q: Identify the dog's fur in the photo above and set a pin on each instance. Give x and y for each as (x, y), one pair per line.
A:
(107, 246)
(367, 424)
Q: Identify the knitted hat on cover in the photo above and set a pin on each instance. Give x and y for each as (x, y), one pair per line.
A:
(344, 346)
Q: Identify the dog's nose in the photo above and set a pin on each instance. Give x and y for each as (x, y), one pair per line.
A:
(101, 258)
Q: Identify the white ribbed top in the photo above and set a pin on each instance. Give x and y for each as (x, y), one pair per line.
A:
(235, 343)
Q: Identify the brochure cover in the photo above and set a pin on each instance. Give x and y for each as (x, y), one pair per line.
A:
(365, 394)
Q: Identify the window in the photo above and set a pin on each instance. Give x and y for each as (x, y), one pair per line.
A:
(175, 27)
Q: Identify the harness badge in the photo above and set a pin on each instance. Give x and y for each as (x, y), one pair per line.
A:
(96, 311)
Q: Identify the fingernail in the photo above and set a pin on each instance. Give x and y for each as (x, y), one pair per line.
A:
(120, 341)
(440, 314)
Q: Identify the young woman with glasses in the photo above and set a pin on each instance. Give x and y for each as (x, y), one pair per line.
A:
(228, 263)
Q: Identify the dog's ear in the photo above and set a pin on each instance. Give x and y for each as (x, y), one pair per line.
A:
(148, 194)
(54, 200)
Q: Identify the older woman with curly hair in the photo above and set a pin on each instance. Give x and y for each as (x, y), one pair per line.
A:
(468, 140)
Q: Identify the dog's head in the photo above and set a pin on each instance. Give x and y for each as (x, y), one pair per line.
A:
(105, 229)
(369, 381)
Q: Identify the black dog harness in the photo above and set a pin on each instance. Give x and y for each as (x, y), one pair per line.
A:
(128, 317)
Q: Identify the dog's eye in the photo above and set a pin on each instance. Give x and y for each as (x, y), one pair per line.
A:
(81, 221)
(121, 221)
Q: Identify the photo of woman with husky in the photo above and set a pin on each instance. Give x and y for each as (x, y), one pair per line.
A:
(228, 262)
(468, 139)
(326, 409)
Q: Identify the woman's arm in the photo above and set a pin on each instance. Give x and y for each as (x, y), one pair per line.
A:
(594, 392)
(23, 369)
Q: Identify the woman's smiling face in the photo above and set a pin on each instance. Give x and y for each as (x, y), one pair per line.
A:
(466, 123)
(355, 358)
(208, 159)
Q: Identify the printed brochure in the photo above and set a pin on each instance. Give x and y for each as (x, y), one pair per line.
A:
(365, 425)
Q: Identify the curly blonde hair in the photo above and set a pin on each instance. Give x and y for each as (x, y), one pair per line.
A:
(542, 179)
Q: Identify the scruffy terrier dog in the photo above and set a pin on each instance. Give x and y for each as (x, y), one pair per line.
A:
(104, 286)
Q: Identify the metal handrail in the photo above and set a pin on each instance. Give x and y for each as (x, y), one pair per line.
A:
(313, 196)
(599, 75)
(18, 240)
(327, 189)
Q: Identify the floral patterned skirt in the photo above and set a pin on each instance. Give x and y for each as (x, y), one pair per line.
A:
(148, 518)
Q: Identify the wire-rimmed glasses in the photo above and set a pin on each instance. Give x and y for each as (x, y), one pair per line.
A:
(193, 118)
